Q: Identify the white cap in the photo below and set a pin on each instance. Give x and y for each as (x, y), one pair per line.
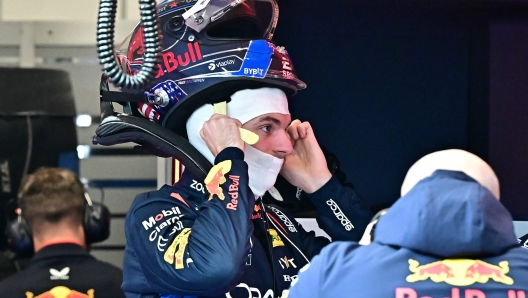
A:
(453, 160)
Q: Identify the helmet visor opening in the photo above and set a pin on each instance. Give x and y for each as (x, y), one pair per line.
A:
(246, 27)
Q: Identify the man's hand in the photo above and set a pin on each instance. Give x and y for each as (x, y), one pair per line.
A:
(220, 132)
(306, 166)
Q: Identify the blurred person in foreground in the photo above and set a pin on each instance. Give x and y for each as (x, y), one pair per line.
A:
(447, 236)
(52, 202)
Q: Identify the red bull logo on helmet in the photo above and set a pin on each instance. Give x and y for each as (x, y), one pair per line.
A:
(215, 178)
(171, 61)
(459, 272)
(62, 292)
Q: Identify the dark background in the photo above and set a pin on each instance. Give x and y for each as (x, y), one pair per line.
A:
(391, 81)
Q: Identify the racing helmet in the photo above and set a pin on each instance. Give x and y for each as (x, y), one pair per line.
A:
(207, 56)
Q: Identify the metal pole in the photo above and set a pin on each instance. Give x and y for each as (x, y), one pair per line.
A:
(27, 45)
(164, 171)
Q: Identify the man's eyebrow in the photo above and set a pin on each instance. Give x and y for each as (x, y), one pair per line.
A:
(271, 119)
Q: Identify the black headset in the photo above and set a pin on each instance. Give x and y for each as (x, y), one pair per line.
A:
(96, 224)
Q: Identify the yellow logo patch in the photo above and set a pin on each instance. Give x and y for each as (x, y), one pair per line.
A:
(275, 238)
(215, 178)
(177, 249)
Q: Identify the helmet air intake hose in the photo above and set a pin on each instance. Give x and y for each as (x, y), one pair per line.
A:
(105, 45)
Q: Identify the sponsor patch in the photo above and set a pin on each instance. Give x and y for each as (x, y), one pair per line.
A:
(198, 186)
(459, 293)
(215, 178)
(345, 222)
(219, 66)
(287, 263)
(153, 220)
(62, 274)
(171, 61)
(290, 278)
(233, 192)
(275, 238)
(156, 224)
(62, 291)
(256, 212)
(284, 219)
(459, 272)
(244, 290)
(277, 222)
(176, 250)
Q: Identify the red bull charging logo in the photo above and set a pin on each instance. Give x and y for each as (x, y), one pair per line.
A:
(215, 178)
(459, 272)
(62, 292)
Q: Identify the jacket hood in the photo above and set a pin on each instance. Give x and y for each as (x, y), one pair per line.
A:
(448, 214)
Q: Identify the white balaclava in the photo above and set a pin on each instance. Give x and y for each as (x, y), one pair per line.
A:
(245, 105)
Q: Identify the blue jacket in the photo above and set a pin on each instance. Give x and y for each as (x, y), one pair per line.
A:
(448, 237)
(208, 239)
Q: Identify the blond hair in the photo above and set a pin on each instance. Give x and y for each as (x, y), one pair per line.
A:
(51, 195)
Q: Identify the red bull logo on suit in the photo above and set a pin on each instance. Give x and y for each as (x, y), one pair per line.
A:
(215, 178)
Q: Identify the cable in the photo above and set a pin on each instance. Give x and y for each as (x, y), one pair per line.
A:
(101, 190)
(29, 147)
(105, 45)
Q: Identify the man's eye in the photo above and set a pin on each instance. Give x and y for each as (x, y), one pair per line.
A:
(266, 128)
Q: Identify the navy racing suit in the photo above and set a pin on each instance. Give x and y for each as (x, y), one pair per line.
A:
(213, 239)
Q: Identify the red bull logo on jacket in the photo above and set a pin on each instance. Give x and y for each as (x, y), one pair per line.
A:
(459, 272)
(62, 292)
(215, 178)
(458, 293)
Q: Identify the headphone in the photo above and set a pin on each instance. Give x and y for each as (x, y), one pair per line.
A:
(96, 224)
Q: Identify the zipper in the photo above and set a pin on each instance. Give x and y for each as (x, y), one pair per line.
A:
(270, 247)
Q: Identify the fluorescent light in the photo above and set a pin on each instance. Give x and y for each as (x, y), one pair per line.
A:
(83, 151)
(83, 120)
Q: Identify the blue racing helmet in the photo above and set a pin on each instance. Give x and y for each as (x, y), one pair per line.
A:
(207, 56)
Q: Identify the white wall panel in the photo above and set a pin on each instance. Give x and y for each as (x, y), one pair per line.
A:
(114, 257)
(131, 9)
(119, 167)
(57, 33)
(117, 234)
(521, 228)
(49, 10)
(118, 200)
